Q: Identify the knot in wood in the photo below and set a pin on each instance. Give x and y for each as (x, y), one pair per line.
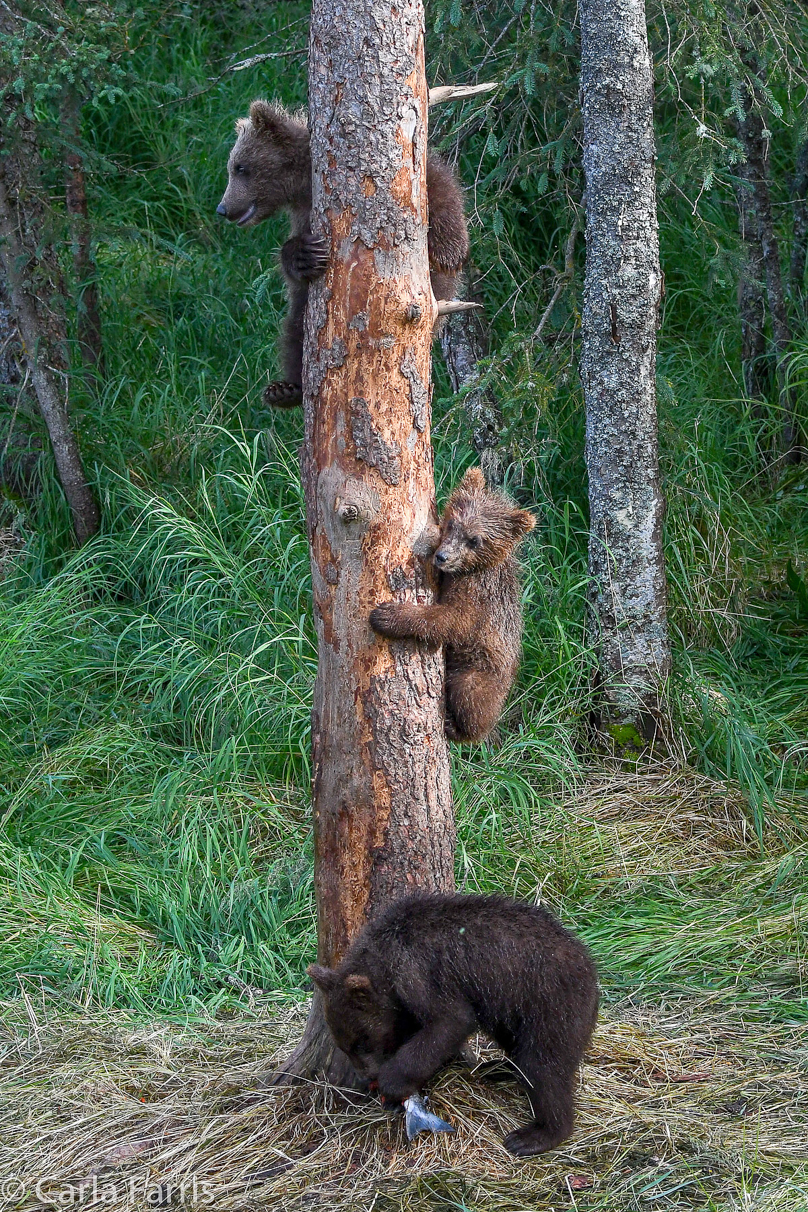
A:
(358, 502)
(413, 313)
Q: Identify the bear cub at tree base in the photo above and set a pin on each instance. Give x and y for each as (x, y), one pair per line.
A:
(432, 969)
(478, 615)
(269, 170)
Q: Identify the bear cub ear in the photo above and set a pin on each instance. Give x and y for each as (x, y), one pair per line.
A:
(269, 121)
(520, 523)
(474, 479)
(359, 985)
(324, 978)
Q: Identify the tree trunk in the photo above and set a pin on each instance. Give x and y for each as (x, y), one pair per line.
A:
(383, 821)
(88, 311)
(799, 194)
(464, 342)
(31, 271)
(620, 318)
(750, 132)
(751, 291)
(9, 341)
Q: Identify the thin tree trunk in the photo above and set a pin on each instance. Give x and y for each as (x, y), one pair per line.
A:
(9, 341)
(620, 318)
(751, 134)
(88, 311)
(31, 272)
(799, 241)
(464, 343)
(19, 457)
(382, 802)
(751, 295)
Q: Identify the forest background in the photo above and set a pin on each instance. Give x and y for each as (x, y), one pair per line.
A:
(155, 684)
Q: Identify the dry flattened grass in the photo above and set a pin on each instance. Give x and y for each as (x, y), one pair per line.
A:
(688, 1107)
(674, 1111)
(670, 821)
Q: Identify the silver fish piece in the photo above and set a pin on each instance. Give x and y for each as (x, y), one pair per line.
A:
(420, 1120)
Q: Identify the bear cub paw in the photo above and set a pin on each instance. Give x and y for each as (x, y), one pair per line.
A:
(394, 1086)
(282, 395)
(305, 257)
(526, 1142)
(386, 619)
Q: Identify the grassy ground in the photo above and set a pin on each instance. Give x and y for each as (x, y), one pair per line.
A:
(694, 1092)
(155, 850)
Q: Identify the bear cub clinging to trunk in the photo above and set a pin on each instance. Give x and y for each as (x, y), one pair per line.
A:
(269, 170)
(478, 614)
(431, 970)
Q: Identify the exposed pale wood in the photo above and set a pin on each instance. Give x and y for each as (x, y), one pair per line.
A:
(450, 307)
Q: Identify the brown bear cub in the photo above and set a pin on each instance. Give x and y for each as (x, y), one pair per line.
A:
(431, 970)
(478, 615)
(269, 170)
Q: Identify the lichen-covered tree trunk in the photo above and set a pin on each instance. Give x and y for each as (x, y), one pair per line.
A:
(383, 821)
(620, 318)
(799, 230)
(8, 340)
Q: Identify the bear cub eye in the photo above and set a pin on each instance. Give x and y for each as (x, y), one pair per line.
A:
(240, 169)
(474, 542)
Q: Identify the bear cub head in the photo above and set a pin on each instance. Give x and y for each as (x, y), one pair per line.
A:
(269, 167)
(479, 528)
(361, 1020)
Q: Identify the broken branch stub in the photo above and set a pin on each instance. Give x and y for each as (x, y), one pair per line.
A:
(456, 92)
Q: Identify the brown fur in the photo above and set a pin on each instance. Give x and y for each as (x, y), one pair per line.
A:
(478, 615)
(269, 170)
(432, 969)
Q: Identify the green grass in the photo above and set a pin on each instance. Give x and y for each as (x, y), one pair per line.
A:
(155, 687)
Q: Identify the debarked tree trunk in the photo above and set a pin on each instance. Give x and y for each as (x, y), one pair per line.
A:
(383, 820)
(618, 357)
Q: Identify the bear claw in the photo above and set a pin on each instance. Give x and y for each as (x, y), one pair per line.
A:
(305, 257)
(282, 395)
(384, 619)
